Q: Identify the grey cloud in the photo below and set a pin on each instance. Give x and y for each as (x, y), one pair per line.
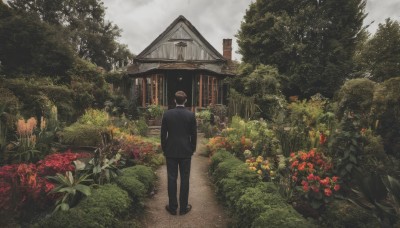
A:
(143, 20)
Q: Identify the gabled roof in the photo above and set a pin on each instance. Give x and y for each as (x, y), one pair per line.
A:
(180, 42)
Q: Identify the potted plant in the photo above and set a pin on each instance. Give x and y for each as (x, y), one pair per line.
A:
(154, 113)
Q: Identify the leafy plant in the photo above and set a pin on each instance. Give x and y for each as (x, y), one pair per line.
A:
(71, 188)
(106, 157)
(155, 111)
(378, 194)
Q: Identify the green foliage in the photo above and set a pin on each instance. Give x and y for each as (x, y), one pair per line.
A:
(341, 213)
(135, 188)
(218, 157)
(346, 147)
(71, 188)
(77, 217)
(387, 111)
(82, 135)
(108, 196)
(381, 53)
(155, 111)
(281, 217)
(306, 124)
(356, 96)
(304, 40)
(41, 47)
(240, 105)
(95, 117)
(227, 166)
(143, 173)
(93, 39)
(141, 128)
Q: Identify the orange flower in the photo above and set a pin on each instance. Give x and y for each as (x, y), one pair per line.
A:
(302, 166)
(337, 187)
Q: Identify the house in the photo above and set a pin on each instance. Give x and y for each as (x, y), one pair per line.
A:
(181, 59)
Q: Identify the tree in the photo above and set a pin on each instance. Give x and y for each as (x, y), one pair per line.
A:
(29, 46)
(381, 54)
(311, 42)
(92, 37)
(259, 84)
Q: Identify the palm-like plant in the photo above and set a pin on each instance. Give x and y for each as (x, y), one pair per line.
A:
(71, 188)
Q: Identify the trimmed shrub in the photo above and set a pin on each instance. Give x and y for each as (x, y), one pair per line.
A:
(110, 197)
(133, 186)
(253, 202)
(143, 173)
(77, 217)
(225, 167)
(281, 217)
(219, 156)
(82, 135)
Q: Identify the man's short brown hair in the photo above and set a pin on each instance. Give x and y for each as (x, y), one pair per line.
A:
(180, 97)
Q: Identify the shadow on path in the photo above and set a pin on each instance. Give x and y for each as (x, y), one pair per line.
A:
(206, 211)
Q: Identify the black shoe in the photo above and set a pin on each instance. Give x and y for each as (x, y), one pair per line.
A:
(172, 212)
(185, 210)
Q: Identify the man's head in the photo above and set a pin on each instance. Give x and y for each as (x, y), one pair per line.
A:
(180, 97)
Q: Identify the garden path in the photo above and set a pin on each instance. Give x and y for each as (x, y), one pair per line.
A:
(206, 211)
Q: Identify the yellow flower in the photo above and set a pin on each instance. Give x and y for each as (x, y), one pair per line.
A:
(259, 171)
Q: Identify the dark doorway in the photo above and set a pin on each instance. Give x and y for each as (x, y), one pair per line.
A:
(179, 80)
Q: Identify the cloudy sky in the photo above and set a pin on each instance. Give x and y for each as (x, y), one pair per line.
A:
(143, 20)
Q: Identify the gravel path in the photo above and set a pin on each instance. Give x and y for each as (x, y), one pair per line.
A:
(206, 211)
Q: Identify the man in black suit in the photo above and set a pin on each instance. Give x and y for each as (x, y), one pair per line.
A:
(178, 142)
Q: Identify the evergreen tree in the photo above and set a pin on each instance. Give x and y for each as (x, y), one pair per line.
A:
(311, 42)
(381, 54)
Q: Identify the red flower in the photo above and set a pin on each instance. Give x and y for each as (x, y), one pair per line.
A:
(335, 179)
(328, 191)
(292, 155)
(306, 188)
(294, 164)
(325, 182)
(337, 187)
(310, 177)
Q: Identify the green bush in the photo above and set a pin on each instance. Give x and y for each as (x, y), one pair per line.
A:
(253, 202)
(143, 173)
(133, 186)
(342, 213)
(95, 117)
(281, 217)
(356, 96)
(110, 197)
(219, 156)
(77, 217)
(82, 135)
(225, 167)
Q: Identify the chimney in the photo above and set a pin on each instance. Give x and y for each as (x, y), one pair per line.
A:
(227, 48)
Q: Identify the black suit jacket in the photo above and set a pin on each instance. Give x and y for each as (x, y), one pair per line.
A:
(178, 133)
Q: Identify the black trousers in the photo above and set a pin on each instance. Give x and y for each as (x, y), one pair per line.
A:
(183, 164)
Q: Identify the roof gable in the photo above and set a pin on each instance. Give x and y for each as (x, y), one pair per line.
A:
(180, 42)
